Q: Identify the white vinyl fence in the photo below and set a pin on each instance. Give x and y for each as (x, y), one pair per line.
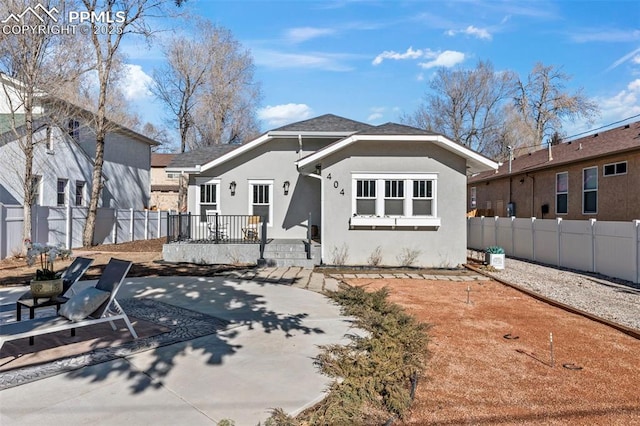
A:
(608, 248)
(64, 225)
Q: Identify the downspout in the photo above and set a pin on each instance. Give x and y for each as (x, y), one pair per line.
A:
(510, 148)
(299, 146)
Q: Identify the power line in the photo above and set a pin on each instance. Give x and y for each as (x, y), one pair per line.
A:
(602, 127)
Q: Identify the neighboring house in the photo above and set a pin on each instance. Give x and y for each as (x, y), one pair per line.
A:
(164, 186)
(354, 185)
(593, 177)
(64, 155)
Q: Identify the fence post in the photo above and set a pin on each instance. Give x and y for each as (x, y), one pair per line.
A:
(158, 228)
(592, 226)
(637, 246)
(131, 225)
(4, 240)
(67, 227)
(559, 241)
(513, 237)
(146, 224)
(217, 232)
(482, 234)
(495, 229)
(533, 238)
(114, 231)
(263, 236)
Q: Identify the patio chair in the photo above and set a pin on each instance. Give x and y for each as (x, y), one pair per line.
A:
(252, 230)
(90, 306)
(218, 232)
(70, 276)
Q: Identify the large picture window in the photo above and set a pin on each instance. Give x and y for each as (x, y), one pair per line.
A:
(562, 193)
(590, 190)
(394, 199)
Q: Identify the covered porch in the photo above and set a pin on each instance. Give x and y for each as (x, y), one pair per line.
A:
(234, 239)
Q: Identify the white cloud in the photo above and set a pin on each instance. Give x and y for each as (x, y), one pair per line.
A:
(481, 33)
(135, 83)
(390, 54)
(448, 58)
(376, 114)
(636, 59)
(324, 61)
(279, 115)
(299, 35)
(633, 55)
(624, 104)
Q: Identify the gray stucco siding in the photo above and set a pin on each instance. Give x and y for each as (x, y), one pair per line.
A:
(444, 246)
(273, 161)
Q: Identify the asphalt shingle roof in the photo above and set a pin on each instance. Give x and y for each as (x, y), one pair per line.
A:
(161, 160)
(202, 155)
(619, 139)
(395, 129)
(324, 123)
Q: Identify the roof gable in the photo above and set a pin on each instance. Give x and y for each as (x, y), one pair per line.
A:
(395, 129)
(619, 139)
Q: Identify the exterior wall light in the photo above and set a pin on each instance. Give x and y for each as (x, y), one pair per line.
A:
(232, 187)
(286, 187)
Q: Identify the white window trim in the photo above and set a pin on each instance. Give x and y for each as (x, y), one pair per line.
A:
(614, 172)
(66, 192)
(37, 200)
(590, 190)
(559, 193)
(407, 220)
(84, 193)
(208, 181)
(268, 182)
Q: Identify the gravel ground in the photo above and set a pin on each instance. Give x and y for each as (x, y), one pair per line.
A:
(615, 300)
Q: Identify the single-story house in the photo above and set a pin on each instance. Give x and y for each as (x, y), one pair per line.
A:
(388, 194)
(591, 177)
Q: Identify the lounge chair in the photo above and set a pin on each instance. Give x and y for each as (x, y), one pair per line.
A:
(70, 276)
(90, 306)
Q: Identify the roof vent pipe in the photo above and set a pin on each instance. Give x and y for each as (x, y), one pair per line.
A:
(580, 146)
(550, 155)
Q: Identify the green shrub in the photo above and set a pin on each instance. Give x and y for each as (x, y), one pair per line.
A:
(494, 250)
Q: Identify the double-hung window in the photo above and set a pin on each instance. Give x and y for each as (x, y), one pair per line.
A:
(62, 192)
(80, 186)
(365, 197)
(562, 193)
(422, 198)
(590, 190)
(394, 199)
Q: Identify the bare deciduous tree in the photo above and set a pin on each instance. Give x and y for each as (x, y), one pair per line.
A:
(543, 102)
(132, 18)
(37, 64)
(207, 86)
(466, 105)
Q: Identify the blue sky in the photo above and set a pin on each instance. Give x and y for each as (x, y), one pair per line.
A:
(372, 61)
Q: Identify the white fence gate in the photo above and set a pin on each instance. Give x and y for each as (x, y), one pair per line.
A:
(608, 248)
(64, 225)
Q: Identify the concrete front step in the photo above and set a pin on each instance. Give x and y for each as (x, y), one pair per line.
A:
(284, 262)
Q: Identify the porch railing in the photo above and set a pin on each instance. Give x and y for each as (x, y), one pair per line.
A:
(216, 229)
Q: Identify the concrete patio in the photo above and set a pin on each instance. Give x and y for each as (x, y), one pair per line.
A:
(264, 360)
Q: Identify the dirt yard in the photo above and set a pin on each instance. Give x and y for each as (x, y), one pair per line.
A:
(146, 256)
(491, 360)
(475, 374)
